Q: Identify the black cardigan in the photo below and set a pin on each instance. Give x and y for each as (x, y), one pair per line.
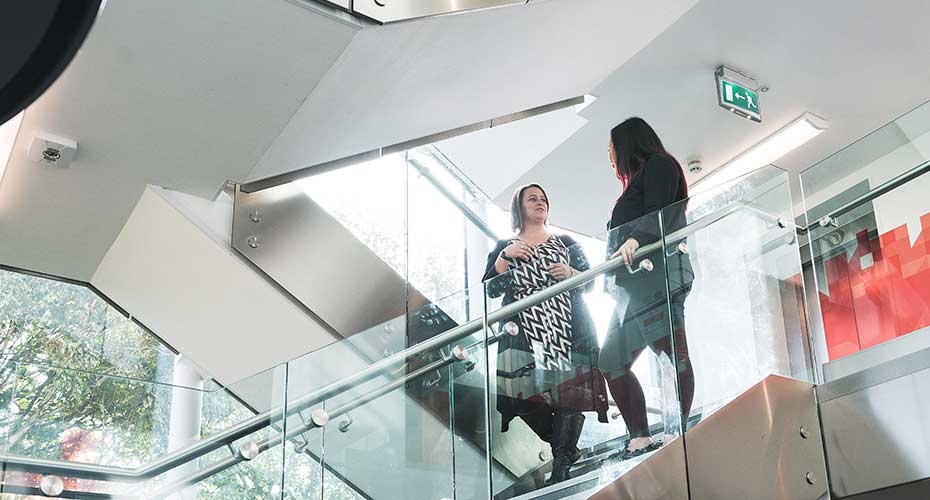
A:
(656, 186)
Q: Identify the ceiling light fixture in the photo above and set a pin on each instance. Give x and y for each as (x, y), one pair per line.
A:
(775, 146)
(8, 133)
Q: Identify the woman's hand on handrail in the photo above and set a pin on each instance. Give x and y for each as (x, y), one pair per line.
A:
(627, 251)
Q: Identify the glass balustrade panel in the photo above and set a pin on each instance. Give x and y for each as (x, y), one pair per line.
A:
(734, 275)
(580, 397)
(390, 431)
(869, 265)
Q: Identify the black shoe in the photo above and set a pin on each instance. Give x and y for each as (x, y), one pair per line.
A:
(561, 469)
(627, 454)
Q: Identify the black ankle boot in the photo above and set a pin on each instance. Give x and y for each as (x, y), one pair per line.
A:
(567, 431)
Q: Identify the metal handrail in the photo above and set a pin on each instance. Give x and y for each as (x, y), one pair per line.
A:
(379, 368)
(468, 329)
(453, 199)
(830, 218)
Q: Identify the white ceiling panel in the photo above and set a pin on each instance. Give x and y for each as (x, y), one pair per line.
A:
(178, 93)
(408, 80)
(493, 158)
(856, 63)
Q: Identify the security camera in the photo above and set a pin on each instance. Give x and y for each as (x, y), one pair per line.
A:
(52, 150)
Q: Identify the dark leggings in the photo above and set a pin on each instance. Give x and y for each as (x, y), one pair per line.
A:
(628, 392)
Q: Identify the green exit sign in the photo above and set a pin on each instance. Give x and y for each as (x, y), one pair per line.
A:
(735, 94)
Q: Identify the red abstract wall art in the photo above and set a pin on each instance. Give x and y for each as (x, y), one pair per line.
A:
(880, 292)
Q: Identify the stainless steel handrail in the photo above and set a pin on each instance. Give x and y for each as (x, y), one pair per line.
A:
(498, 316)
(444, 191)
(830, 218)
(374, 154)
(379, 368)
(273, 441)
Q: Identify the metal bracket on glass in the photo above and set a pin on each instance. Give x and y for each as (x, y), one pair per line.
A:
(429, 383)
(346, 424)
(457, 353)
(644, 265)
(249, 450)
(300, 444)
(51, 486)
(303, 418)
(460, 352)
(828, 221)
(318, 418)
(511, 328)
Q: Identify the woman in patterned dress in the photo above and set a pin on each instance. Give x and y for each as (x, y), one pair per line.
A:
(547, 354)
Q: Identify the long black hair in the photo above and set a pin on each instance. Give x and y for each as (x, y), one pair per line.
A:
(635, 142)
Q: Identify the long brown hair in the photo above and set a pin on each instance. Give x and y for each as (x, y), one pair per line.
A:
(635, 142)
(516, 206)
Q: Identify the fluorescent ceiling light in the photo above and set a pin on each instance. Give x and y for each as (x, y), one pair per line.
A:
(8, 132)
(775, 146)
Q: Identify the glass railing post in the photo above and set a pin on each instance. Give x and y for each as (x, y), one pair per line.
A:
(736, 300)
(675, 367)
(468, 395)
(7, 396)
(490, 388)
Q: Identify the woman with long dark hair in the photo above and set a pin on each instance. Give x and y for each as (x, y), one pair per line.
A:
(547, 353)
(651, 180)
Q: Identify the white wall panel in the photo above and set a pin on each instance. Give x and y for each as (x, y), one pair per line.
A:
(199, 295)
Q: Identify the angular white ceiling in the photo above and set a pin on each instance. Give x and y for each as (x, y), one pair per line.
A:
(493, 158)
(403, 81)
(187, 94)
(856, 63)
(182, 94)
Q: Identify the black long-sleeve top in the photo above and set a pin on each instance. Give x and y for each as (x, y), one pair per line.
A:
(656, 186)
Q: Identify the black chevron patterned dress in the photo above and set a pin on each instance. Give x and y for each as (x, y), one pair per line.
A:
(548, 325)
(547, 356)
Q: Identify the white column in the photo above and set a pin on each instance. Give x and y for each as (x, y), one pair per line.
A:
(186, 413)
